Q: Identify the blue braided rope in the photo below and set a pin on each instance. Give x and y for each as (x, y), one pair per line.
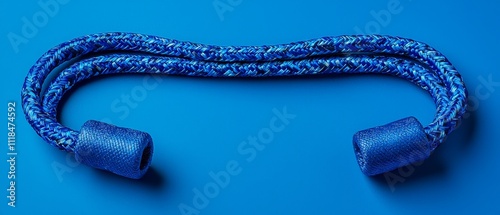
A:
(404, 58)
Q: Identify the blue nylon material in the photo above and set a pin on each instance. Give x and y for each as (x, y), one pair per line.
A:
(123, 151)
(388, 147)
(112, 53)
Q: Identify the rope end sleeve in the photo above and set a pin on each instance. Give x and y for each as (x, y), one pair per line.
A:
(388, 147)
(123, 151)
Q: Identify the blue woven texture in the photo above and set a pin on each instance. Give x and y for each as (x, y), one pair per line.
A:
(385, 148)
(123, 151)
(137, 53)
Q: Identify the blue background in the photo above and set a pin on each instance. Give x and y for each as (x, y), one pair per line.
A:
(198, 124)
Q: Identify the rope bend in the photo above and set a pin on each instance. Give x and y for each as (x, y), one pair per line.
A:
(137, 53)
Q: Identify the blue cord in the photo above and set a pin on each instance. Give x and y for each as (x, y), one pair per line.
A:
(378, 150)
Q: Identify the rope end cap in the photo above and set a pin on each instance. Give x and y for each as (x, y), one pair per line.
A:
(388, 147)
(123, 151)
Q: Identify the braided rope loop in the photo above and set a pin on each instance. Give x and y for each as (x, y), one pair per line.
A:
(137, 53)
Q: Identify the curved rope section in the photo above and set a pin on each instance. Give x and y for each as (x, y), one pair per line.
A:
(137, 53)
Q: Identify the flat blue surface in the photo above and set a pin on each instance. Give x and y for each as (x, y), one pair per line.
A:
(201, 126)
